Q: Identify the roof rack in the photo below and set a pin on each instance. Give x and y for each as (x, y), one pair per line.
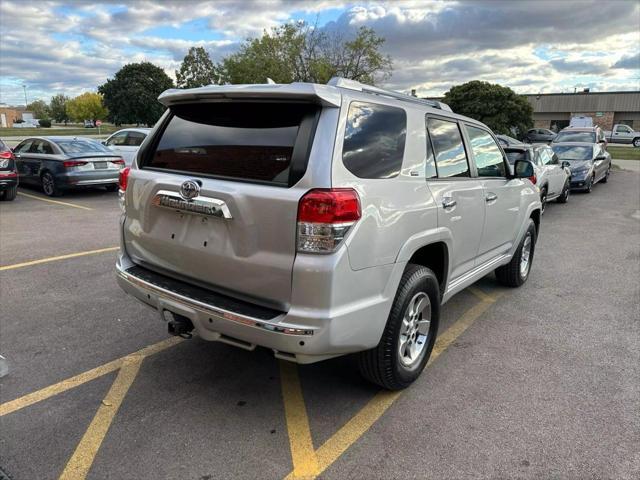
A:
(361, 87)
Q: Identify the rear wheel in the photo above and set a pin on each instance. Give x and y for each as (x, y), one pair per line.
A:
(9, 194)
(49, 186)
(516, 272)
(564, 196)
(636, 142)
(409, 335)
(111, 188)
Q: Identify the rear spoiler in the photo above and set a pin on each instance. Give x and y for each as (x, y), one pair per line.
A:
(325, 95)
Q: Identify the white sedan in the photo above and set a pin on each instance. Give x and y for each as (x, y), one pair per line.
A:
(126, 142)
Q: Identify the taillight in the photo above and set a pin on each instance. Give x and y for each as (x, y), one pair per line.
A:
(325, 217)
(5, 157)
(533, 179)
(73, 163)
(118, 162)
(123, 178)
(6, 154)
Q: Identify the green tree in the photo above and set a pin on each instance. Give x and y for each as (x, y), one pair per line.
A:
(197, 69)
(39, 108)
(88, 106)
(303, 53)
(500, 108)
(58, 108)
(131, 96)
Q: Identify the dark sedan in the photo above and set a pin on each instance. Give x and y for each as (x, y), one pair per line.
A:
(8, 174)
(59, 163)
(590, 163)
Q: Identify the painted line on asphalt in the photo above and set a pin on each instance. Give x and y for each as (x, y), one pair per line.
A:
(80, 462)
(57, 258)
(57, 202)
(359, 424)
(77, 380)
(303, 455)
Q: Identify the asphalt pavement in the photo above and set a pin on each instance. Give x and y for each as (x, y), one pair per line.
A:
(536, 382)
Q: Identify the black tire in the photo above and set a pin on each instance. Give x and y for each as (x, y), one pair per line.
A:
(111, 188)
(511, 274)
(543, 200)
(605, 179)
(9, 194)
(49, 185)
(564, 196)
(383, 365)
(636, 142)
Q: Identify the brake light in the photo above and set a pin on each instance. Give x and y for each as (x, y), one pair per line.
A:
(73, 163)
(123, 178)
(8, 154)
(118, 162)
(533, 179)
(325, 217)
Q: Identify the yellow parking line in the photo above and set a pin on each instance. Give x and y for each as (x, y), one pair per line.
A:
(57, 202)
(340, 441)
(305, 463)
(57, 258)
(80, 462)
(482, 295)
(69, 383)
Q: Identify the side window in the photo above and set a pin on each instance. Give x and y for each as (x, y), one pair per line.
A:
(36, 147)
(374, 140)
(487, 154)
(430, 165)
(24, 146)
(134, 139)
(118, 139)
(554, 158)
(47, 148)
(622, 129)
(451, 158)
(545, 156)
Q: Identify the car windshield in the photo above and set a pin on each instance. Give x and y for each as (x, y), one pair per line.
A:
(573, 152)
(514, 155)
(81, 145)
(587, 137)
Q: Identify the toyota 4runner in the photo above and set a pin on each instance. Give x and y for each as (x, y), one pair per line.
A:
(320, 220)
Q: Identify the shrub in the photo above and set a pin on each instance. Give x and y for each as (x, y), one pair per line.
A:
(45, 122)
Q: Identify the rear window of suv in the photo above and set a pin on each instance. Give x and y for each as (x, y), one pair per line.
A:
(589, 137)
(258, 142)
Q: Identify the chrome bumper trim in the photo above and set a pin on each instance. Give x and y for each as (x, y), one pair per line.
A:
(199, 205)
(210, 309)
(95, 182)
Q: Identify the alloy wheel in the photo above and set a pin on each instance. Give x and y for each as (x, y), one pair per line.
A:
(48, 184)
(525, 256)
(414, 330)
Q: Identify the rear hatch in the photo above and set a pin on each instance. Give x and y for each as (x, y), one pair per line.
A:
(239, 160)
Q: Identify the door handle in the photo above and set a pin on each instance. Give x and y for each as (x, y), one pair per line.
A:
(448, 202)
(491, 197)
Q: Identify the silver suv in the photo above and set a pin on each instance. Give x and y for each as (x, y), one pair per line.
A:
(320, 220)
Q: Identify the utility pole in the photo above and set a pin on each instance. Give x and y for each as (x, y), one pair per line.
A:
(24, 87)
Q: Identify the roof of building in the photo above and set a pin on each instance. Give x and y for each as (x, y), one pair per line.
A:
(585, 102)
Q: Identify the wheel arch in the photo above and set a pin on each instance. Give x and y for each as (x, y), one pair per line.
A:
(434, 256)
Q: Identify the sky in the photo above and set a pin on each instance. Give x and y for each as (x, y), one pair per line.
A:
(537, 46)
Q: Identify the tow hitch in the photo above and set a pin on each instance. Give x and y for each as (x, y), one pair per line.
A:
(180, 326)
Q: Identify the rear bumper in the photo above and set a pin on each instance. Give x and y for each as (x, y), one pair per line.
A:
(302, 335)
(95, 177)
(7, 182)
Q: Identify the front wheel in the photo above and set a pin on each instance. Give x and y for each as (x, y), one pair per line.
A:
(605, 179)
(408, 337)
(564, 196)
(49, 185)
(516, 272)
(636, 142)
(589, 187)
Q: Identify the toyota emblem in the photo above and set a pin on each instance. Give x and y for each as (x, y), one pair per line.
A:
(190, 190)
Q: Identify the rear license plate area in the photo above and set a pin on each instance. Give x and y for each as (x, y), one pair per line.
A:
(99, 165)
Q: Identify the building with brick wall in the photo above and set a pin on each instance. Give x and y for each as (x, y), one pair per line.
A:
(8, 115)
(606, 108)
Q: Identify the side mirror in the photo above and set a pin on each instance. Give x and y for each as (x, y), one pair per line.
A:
(566, 164)
(104, 142)
(523, 169)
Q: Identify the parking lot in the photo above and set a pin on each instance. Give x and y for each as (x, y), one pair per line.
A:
(537, 382)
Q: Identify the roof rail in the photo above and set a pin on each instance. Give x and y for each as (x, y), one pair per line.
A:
(361, 87)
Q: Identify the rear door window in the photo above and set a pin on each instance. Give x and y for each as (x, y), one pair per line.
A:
(135, 139)
(487, 154)
(374, 140)
(245, 141)
(451, 158)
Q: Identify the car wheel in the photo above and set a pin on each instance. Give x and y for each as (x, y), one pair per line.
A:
(636, 142)
(10, 193)
(605, 179)
(516, 272)
(408, 337)
(589, 186)
(49, 186)
(111, 188)
(564, 196)
(543, 200)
